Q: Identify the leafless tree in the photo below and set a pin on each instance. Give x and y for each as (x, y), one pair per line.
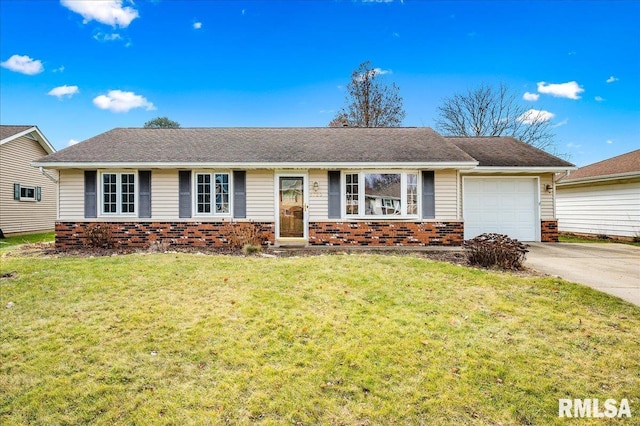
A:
(370, 103)
(491, 111)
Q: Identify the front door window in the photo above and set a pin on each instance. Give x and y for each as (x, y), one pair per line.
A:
(291, 214)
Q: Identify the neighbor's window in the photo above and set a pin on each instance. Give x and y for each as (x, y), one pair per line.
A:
(381, 194)
(27, 193)
(118, 193)
(212, 193)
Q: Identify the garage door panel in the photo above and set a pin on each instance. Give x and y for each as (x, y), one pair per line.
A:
(501, 205)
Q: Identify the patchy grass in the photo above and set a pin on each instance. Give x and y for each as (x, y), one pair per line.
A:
(11, 242)
(341, 339)
(573, 238)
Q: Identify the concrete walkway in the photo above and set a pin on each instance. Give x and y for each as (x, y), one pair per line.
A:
(610, 268)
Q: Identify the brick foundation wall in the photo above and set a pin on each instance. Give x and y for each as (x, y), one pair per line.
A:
(71, 235)
(386, 233)
(549, 231)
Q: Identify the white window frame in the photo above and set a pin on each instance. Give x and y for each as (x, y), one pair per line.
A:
(212, 173)
(28, 199)
(361, 194)
(136, 194)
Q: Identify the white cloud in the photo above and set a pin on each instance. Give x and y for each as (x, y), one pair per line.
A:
(72, 142)
(119, 101)
(609, 141)
(561, 123)
(530, 96)
(23, 64)
(599, 98)
(612, 79)
(197, 25)
(109, 12)
(573, 145)
(535, 115)
(62, 91)
(107, 37)
(374, 72)
(568, 90)
(61, 69)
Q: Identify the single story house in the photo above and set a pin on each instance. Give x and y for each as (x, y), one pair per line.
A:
(28, 196)
(304, 186)
(602, 198)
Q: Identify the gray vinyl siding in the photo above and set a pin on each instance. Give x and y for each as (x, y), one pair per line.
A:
(25, 216)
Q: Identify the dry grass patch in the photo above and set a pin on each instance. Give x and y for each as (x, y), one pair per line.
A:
(341, 339)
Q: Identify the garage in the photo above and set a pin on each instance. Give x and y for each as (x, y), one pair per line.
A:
(502, 205)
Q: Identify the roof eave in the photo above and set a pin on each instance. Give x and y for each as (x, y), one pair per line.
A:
(523, 169)
(462, 165)
(41, 139)
(598, 179)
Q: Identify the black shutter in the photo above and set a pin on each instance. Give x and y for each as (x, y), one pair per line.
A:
(184, 189)
(38, 193)
(16, 191)
(144, 193)
(428, 195)
(90, 193)
(239, 194)
(334, 195)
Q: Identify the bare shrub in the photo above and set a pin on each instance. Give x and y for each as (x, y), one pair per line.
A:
(99, 235)
(245, 233)
(489, 250)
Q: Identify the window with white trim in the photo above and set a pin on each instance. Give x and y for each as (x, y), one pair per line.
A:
(381, 194)
(212, 193)
(27, 193)
(118, 193)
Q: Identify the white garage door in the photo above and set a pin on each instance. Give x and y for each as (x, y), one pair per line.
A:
(503, 205)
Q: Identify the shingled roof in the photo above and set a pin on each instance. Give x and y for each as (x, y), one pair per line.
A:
(506, 152)
(297, 146)
(264, 146)
(623, 165)
(8, 131)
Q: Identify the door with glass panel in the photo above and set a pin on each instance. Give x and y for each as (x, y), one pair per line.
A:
(291, 207)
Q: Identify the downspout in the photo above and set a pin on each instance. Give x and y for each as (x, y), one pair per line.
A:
(51, 178)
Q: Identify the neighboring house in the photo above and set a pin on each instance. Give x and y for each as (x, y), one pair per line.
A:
(602, 198)
(28, 196)
(315, 186)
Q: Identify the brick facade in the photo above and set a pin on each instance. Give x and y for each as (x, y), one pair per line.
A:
(386, 233)
(72, 235)
(549, 230)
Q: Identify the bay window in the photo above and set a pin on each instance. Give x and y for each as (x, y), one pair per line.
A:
(381, 194)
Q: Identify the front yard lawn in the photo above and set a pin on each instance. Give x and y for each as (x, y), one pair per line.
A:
(189, 339)
(11, 242)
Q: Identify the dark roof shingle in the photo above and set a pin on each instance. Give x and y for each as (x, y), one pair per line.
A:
(628, 163)
(263, 145)
(8, 131)
(504, 151)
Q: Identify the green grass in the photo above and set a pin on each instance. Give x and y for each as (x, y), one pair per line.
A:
(11, 242)
(572, 238)
(185, 339)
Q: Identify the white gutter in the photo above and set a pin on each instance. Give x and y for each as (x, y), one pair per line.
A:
(51, 178)
(596, 179)
(510, 169)
(255, 165)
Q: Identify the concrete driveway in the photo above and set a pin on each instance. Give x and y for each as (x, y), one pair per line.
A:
(610, 268)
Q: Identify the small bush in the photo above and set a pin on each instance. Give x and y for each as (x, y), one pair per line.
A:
(603, 237)
(99, 235)
(249, 249)
(243, 234)
(489, 250)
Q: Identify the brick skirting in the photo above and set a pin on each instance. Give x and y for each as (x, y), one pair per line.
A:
(71, 235)
(386, 233)
(549, 231)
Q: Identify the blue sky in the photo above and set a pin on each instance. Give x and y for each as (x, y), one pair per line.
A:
(79, 68)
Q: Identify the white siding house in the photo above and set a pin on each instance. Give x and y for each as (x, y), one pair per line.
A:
(28, 197)
(602, 198)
